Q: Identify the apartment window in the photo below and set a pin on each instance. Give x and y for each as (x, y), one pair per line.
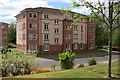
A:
(46, 47)
(67, 36)
(91, 29)
(46, 26)
(30, 15)
(75, 36)
(56, 21)
(56, 41)
(91, 37)
(35, 26)
(35, 36)
(4, 44)
(34, 47)
(56, 31)
(30, 47)
(30, 26)
(81, 46)
(68, 46)
(81, 37)
(76, 27)
(46, 37)
(82, 28)
(46, 16)
(30, 36)
(91, 46)
(35, 15)
(75, 45)
(67, 27)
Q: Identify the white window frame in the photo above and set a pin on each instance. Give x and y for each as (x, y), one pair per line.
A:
(67, 46)
(35, 14)
(35, 26)
(34, 47)
(30, 47)
(46, 37)
(46, 16)
(82, 28)
(91, 37)
(76, 27)
(91, 29)
(81, 37)
(30, 37)
(46, 47)
(56, 41)
(75, 45)
(67, 36)
(56, 21)
(75, 36)
(56, 31)
(91, 46)
(31, 15)
(31, 25)
(67, 27)
(34, 36)
(46, 26)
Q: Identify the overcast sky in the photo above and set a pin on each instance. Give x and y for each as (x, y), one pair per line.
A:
(10, 8)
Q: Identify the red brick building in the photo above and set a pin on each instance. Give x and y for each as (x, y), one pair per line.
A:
(46, 30)
(3, 34)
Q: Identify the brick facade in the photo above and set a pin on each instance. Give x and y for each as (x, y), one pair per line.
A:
(44, 30)
(3, 34)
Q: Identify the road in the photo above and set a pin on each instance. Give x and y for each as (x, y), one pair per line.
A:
(47, 62)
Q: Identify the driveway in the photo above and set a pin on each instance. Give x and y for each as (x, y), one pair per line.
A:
(46, 60)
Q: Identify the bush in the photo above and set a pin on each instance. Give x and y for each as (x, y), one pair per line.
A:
(91, 61)
(17, 63)
(66, 59)
(41, 70)
(81, 65)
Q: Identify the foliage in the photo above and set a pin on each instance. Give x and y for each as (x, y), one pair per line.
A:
(81, 65)
(53, 66)
(17, 63)
(66, 59)
(12, 33)
(107, 13)
(91, 61)
(101, 34)
(116, 37)
(96, 71)
(41, 70)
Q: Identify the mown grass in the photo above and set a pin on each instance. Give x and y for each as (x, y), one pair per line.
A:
(96, 71)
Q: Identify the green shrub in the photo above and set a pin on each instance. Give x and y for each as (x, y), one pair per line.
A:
(81, 65)
(92, 61)
(17, 63)
(66, 59)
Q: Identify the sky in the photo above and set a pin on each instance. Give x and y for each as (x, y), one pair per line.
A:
(10, 8)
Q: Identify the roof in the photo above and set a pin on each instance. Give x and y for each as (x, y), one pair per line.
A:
(46, 9)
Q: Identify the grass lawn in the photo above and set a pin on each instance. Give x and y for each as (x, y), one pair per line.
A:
(96, 71)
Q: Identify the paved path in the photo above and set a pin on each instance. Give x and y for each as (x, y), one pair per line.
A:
(47, 62)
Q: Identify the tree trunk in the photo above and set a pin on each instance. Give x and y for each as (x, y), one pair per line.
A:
(109, 53)
(110, 37)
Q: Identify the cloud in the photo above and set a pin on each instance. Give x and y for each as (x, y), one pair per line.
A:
(10, 8)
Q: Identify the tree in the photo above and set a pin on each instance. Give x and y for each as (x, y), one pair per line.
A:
(101, 35)
(107, 13)
(12, 33)
(116, 37)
